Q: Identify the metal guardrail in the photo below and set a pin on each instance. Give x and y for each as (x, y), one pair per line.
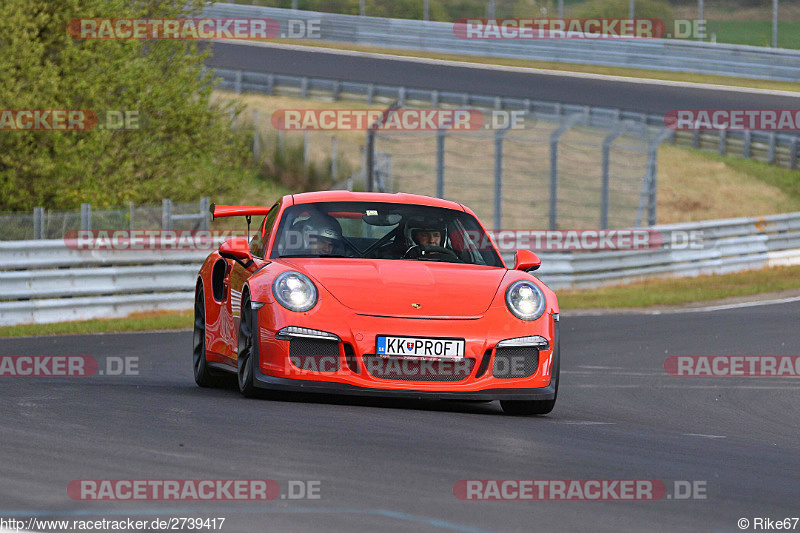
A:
(652, 54)
(769, 147)
(725, 246)
(44, 281)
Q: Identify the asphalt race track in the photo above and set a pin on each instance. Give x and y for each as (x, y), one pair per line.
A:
(391, 465)
(641, 97)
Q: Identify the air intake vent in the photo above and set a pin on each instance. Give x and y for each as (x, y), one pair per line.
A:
(315, 355)
(515, 362)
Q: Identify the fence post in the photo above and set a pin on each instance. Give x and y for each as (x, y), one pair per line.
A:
(38, 223)
(256, 144)
(370, 93)
(306, 156)
(440, 135)
(238, 83)
(696, 139)
(166, 214)
(336, 88)
(130, 216)
(370, 160)
(723, 141)
(270, 84)
(401, 96)
(434, 98)
(652, 163)
(554, 138)
(334, 158)
(650, 187)
(793, 154)
(772, 139)
(498, 177)
(205, 206)
(86, 216)
(748, 139)
(619, 129)
(304, 87)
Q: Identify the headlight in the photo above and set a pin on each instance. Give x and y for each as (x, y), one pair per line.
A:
(525, 300)
(294, 291)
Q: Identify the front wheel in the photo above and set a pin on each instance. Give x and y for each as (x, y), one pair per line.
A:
(245, 359)
(535, 407)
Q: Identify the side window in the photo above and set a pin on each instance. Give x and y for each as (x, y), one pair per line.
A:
(259, 242)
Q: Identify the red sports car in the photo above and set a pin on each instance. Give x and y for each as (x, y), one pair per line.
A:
(376, 294)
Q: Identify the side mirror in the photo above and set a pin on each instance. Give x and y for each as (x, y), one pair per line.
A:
(237, 249)
(526, 260)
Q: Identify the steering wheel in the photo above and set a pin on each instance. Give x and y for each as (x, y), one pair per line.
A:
(432, 250)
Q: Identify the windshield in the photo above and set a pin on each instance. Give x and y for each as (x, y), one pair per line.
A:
(373, 230)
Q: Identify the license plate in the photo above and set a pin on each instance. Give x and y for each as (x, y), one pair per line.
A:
(420, 347)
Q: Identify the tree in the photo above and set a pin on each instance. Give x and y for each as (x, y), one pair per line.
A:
(183, 142)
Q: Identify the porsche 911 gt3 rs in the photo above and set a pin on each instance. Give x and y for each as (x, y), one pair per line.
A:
(375, 294)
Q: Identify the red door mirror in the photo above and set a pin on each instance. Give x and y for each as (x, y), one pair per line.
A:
(237, 249)
(526, 260)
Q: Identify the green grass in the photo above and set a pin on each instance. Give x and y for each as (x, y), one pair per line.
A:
(683, 290)
(787, 180)
(145, 322)
(755, 32)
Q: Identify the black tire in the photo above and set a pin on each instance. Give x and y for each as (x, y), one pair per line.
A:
(203, 375)
(245, 359)
(535, 407)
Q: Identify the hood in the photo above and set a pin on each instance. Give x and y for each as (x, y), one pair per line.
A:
(389, 287)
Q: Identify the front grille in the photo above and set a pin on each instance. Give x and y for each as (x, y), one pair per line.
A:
(515, 362)
(314, 354)
(413, 369)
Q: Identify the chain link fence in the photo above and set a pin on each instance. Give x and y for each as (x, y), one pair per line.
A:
(556, 172)
(54, 224)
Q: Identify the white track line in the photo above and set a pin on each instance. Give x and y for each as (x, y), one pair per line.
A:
(728, 306)
(524, 70)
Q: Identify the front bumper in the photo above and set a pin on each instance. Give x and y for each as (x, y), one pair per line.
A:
(274, 370)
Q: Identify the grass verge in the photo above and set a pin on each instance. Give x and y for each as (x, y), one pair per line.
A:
(138, 322)
(682, 290)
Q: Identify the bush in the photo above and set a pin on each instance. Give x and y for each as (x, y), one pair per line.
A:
(183, 147)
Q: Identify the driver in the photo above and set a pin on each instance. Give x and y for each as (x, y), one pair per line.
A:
(427, 237)
(425, 232)
(322, 234)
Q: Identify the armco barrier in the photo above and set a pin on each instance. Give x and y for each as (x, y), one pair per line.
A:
(727, 246)
(44, 281)
(653, 54)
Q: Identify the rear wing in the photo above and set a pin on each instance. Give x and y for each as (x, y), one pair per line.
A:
(220, 211)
